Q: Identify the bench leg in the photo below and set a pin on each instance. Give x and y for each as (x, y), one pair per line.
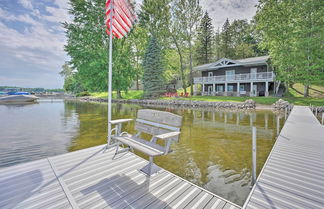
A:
(120, 151)
(150, 168)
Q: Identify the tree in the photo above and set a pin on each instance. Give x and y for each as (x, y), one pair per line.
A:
(71, 82)
(123, 68)
(226, 39)
(139, 40)
(217, 45)
(241, 39)
(188, 21)
(87, 45)
(155, 18)
(204, 52)
(293, 34)
(153, 70)
(179, 36)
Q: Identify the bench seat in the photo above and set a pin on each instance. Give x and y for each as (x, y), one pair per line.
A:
(142, 145)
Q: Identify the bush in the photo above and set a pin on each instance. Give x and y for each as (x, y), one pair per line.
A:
(83, 94)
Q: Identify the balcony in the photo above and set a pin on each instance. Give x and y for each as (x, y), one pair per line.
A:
(246, 77)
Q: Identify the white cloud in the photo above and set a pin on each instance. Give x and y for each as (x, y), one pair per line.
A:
(219, 10)
(57, 15)
(27, 4)
(21, 18)
(38, 45)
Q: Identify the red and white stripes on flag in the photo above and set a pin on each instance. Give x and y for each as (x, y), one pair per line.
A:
(123, 17)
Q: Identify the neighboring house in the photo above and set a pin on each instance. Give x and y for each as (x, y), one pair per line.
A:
(243, 77)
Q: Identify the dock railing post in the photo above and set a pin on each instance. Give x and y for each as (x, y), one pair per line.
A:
(254, 149)
(315, 111)
(322, 118)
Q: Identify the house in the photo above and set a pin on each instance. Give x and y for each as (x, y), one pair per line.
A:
(243, 77)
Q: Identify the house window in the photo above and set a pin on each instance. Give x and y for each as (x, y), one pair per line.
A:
(210, 74)
(220, 88)
(242, 87)
(230, 88)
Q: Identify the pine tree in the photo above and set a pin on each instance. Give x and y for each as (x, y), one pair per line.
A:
(226, 40)
(217, 45)
(204, 40)
(153, 70)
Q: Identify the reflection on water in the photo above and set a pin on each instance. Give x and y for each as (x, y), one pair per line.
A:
(214, 149)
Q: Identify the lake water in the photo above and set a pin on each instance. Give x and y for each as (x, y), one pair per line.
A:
(214, 150)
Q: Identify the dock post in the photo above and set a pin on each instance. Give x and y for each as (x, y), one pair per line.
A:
(322, 118)
(254, 149)
(278, 125)
(316, 112)
(285, 113)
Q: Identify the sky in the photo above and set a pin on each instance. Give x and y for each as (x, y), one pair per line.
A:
(32, 38)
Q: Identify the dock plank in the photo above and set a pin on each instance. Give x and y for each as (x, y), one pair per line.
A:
(292, 176)
(91, 178)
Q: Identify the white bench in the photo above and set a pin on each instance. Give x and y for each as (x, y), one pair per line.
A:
(160, 125)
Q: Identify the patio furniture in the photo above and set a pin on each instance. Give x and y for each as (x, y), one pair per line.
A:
(162, 126)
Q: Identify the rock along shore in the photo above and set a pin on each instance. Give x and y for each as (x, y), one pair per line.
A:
(248, 104)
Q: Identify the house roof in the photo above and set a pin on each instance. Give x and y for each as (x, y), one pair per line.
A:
(225, 62)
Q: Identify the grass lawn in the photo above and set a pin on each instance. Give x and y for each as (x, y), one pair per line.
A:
(131, 94)
(314, 91)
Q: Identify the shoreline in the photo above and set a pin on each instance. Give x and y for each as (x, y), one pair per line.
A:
(247, 105)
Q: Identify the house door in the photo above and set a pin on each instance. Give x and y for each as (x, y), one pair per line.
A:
(255, 89)
(253, 73)
(210, 90)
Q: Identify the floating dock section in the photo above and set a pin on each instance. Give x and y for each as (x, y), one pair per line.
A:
(90, 178)
(293, 175)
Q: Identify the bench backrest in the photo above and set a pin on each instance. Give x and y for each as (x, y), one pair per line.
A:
(155, 122)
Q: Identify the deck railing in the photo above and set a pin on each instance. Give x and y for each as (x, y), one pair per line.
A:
(265, 76)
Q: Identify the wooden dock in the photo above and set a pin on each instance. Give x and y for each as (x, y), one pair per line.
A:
(90, 178)
(293, 175)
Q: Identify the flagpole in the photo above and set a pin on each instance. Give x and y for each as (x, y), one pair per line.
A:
(110, 73)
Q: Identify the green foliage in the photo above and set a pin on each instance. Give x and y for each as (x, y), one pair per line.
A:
(242, 39)
(226, 40)
(172, 65)
(153, 70)
(187, 14)
(130, 94)
(71, 81)
(139, 39)
(87, 46)
(293, 33)
(204, 52)
(83, 94)
(155, 17)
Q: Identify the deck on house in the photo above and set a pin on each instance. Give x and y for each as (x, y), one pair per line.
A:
(90, 178)
(293, 175)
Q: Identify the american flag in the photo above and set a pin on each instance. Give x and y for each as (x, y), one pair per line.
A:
(123, 17)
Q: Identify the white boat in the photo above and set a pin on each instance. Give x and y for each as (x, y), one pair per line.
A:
(17, 99)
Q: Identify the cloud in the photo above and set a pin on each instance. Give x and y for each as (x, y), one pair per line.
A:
(57, 15)
(32, 45)
(219, 10)
(26, 4)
